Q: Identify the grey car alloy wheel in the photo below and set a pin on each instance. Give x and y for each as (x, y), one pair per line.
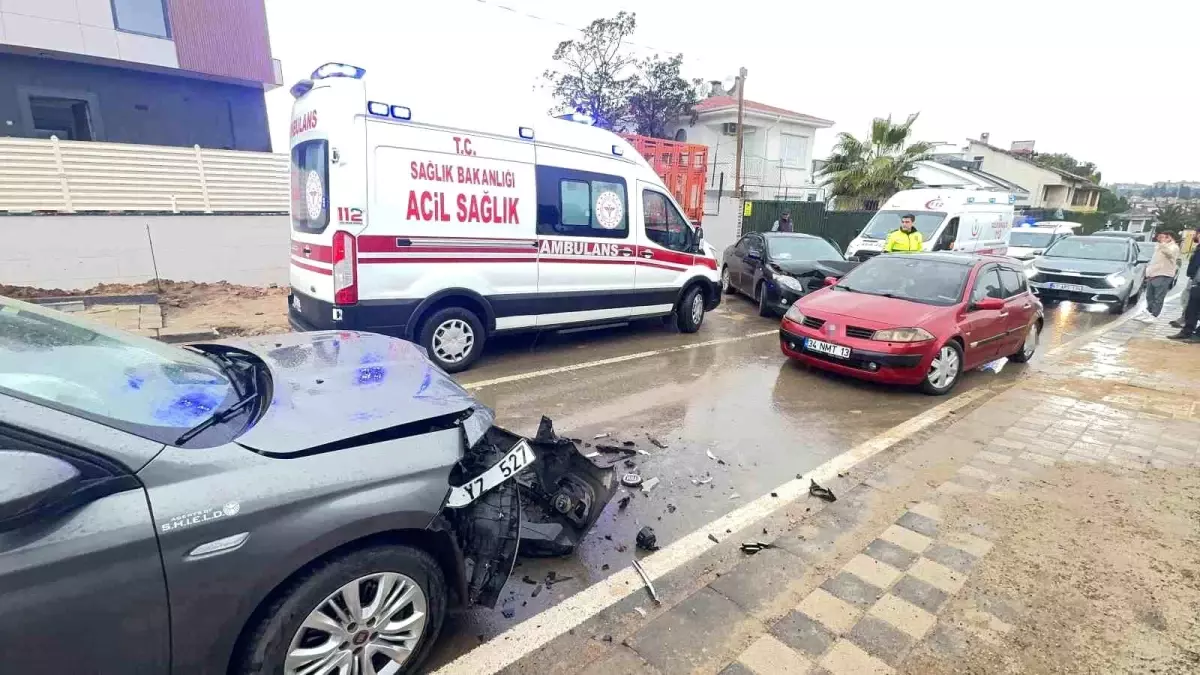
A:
(370, 626)
(944, 369)
(698, 308)
(453, 340)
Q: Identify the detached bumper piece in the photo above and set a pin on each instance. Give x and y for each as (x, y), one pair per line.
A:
(545, 510)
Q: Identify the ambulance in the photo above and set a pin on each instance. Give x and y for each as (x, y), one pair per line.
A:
(446, 227)
(949, 219)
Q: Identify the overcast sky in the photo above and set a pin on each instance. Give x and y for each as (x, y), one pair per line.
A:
(1115, 85)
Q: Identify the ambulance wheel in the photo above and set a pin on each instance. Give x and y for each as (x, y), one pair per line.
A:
(453, 337)
(690, 312)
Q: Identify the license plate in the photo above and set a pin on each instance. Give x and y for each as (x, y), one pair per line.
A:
(519, 457)
(826, 348)
(1066, 287)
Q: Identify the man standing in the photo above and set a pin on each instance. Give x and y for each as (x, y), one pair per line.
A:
(1192, 268)
(784, 224)
(907, 239)
(1191, 313)
(1159, 274)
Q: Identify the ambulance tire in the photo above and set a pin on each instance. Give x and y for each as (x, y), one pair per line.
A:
(690, 312)
(459, 336)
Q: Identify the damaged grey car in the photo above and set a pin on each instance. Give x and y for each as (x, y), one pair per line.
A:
(301, 504)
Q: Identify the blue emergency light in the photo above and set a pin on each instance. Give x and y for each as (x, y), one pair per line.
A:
(396, 112)
(577, 117)
(338, 70)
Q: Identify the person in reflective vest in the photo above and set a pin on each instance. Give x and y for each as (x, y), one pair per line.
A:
(907, 239)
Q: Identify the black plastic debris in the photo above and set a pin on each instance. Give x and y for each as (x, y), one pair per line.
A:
(508, 612)
(774, 494)
(752, 547)
(820, 492)
(614, 449)
(670, 508)
(536, 590)
(647, 540)
(630, 464)
(604, 567)
(714, 539)
(623, 502)
(527, 580)
(628, 444)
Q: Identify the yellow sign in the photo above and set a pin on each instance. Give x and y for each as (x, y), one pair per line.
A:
(747, 209)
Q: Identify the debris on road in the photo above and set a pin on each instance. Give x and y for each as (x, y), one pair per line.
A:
(820, 492)
(631, 480)
(713, 538)
(528, 580)
(623, 502)
(599, 436)
(752, 547)
(641, 612)
(656, 443)
(994, 366)
(670, 508)
(628, 444)
(646, 578)
(650, 485)
(735, 496)
(508, 612)
(711, 455)
(702, 481)
(630, 464)
(614, 449)
(647, 540)
(536, 590)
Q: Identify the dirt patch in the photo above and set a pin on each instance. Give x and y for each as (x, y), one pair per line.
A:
(188, 305)
(1095, 571)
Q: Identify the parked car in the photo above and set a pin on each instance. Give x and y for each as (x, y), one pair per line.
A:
(1026, 243)
(1091, 269)
(776, 268)
(1135, 236)
(285, 504)
(1145, 253)
(919, 319)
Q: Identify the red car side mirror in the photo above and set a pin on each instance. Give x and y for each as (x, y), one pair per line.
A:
(830, 281)
(989, 303)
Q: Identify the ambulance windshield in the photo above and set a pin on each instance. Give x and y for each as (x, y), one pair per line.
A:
(310, 186)
(884, 222)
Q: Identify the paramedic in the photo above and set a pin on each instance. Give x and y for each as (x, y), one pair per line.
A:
(907, 239)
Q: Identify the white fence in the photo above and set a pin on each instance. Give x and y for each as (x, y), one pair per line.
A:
(38, 175)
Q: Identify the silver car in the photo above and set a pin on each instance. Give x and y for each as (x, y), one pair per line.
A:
(301, 503)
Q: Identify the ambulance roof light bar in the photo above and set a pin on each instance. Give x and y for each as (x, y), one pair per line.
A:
(338, 70)
(577, 117)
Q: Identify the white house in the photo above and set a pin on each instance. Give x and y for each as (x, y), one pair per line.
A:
(776, 148)
(1048, 188)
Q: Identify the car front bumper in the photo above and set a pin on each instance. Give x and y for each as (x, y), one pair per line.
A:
(890, 367)
(1108, 296)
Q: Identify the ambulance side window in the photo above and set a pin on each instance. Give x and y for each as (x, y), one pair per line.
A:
(664, 224)
(581, 204)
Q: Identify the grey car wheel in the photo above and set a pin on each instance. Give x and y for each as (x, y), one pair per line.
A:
(726, 282)
(371, 625)
(373, 611)
(944, 371)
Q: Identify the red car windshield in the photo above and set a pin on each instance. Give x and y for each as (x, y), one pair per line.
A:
(932, 282)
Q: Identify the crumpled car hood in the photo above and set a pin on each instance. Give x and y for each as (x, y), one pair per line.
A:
(829, 268)
(333, 385)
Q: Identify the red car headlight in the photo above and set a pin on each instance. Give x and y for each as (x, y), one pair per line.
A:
(794, 314)
(902, 335)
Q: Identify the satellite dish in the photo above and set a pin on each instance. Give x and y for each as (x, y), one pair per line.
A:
(728, 83)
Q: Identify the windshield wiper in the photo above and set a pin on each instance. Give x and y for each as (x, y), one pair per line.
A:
(237, 370)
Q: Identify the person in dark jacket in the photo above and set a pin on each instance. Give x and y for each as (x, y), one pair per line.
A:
(1192, 268)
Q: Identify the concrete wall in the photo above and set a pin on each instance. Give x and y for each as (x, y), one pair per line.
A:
(77, 252)
(128, 106)
(720, 224)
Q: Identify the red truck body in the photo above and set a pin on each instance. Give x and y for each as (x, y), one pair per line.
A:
(683, 167)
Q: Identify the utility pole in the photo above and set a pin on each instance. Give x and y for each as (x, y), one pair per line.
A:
(737, 170)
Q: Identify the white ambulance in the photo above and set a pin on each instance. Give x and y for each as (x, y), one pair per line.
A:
(445, 227)
(949, 219)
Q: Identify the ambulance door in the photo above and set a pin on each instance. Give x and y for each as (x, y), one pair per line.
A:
(666, 245)
(586, 248)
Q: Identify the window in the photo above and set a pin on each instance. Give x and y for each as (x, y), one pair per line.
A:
(68, 118)
(987, 285)
(664, 224)
(147, 17)
(754, 245)
(908, 277)
(792, 150)
(310, 186)
(1012, 281)
(743, 244)
(581, 204)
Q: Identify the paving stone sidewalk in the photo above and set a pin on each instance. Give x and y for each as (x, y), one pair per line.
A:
(874, 583)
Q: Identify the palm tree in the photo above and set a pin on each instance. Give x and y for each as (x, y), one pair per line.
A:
(1173, 218)
(862, 172)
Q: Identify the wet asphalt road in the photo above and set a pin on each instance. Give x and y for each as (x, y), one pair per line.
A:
(765, 418)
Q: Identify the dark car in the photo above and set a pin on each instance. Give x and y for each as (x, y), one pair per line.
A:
(920, 319)
(1091, 269)
(777, 268)
(1123, 234)
(302, 503)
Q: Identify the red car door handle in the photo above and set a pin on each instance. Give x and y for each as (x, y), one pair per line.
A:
(1003, 313)
(647, 254)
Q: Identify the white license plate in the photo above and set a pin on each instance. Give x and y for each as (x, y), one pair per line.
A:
(1066, 287)
(519, 457)
(826, 348)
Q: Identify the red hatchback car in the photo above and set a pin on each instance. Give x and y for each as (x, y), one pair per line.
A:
(918, 319)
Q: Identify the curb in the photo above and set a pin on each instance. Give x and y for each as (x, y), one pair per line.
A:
(188, 336)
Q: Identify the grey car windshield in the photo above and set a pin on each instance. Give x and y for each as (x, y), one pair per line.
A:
(124, 381)
(1030, 239)
(1089, 249)
(931, 282)
(801, 248)
(883, 222)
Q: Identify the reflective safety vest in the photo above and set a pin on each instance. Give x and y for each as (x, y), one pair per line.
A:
(899, 242)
